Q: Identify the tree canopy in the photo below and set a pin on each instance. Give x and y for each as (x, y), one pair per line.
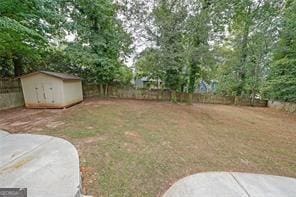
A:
(248, 46)
(33, 32)
(26, 28)
(281, 81)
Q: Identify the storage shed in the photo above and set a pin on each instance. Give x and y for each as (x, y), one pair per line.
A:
(44, 89)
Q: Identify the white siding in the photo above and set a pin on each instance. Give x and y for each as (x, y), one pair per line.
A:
(41, 90)
(72, 92)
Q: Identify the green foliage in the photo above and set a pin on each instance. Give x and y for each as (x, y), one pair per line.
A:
(32, 35)
(124, 76)
(101, 37)
(169, 17)
(180, 31)
(231, 41)
(25, 30)
(281, 83)
(148, 65)
(246, 53)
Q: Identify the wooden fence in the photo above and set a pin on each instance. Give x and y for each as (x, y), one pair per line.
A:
(10, 93)
(10, 85)
(283, 106)
(165, 95)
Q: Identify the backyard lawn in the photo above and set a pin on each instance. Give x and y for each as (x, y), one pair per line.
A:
(140, 148)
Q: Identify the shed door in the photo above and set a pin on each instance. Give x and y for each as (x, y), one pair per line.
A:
(44, 94)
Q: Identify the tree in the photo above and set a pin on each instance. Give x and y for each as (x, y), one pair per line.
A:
(203, 22)
(99, 36)
(180, 32)
(252, 35)
(33, 34)
(26, 28)
(148, 65)
(169, 18)
(281, 83)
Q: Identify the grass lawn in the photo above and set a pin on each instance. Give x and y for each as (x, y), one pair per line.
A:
(140, 148)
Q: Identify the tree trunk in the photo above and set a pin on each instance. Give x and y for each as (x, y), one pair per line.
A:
(189, 101)
(101, 90)
(243, 58)
(18, 66)
(174, 96)
(255, 79)
(106, 90)
(193, 75)
(236, 100)
(253, 97)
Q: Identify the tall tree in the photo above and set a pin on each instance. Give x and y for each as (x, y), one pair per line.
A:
(252, 34)
(101, 36)
(148, 65)
(169, 20)
(26, 27)
(181, 31)
(204, 20)
(281, 83)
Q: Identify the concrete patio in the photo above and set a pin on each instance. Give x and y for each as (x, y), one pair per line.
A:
(46, 166)
(232, 184)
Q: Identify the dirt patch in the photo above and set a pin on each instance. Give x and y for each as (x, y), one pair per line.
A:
(27, 120)
(133, 136)
(88, 177)
(55, 124)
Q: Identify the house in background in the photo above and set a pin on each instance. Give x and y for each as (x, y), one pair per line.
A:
(147, 83)
(44, 89)
(204, 87)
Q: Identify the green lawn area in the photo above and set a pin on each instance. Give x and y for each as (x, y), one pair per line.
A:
(140, 148)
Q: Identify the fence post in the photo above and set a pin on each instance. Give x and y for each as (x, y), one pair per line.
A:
(189, 100)
(236, 100)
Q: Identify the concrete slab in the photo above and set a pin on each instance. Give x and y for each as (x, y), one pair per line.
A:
(46, 166)
(267, 185)
(227, 184)
(3, 133)
(212, 184)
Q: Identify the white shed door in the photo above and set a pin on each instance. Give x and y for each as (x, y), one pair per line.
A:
(44, 94)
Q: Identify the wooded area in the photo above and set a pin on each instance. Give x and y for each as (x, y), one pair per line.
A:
(248, 46)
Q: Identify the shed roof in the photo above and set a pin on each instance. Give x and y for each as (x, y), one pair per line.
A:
(62, 76)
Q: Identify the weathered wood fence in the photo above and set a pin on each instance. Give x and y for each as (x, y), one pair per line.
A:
(11, 94)
(283, 106)
(165, 95)
(10, 85)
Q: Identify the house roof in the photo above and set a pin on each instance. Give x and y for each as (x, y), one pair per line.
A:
(62, 76)
(149, 79)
